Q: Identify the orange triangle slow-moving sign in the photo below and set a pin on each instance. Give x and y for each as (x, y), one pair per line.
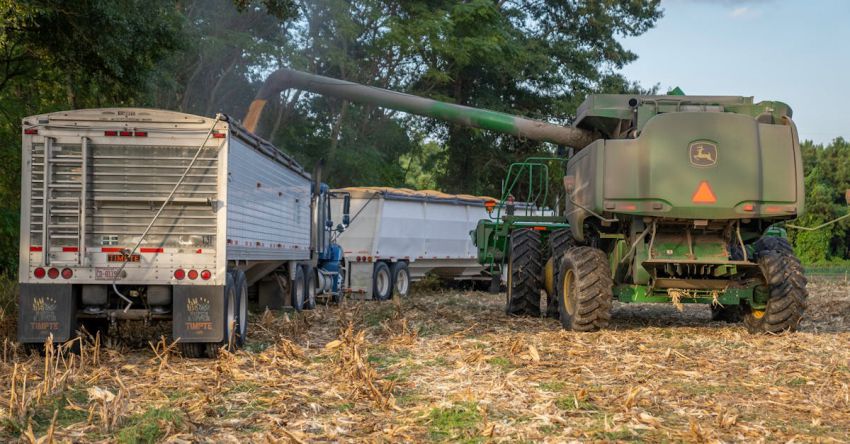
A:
(704, 194)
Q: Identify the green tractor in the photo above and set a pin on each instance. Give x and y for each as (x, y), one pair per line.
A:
(668, 198)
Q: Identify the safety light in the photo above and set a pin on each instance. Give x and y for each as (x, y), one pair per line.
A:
(206, 275)
(31, 131)
(179, 274)
(39, 273)
(67, 273)
(110, 133)
(193, 274)
(53, 273)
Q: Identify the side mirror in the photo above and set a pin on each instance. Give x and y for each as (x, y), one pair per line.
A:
(346, 209)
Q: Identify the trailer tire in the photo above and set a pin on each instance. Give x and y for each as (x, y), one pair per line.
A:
(309, 287)
(382, 282)
(191, 350)
(787, 294)
(241, 329)
(525, 265)
(585, 289)
(298, 292)
(401, 278)
(559, 242)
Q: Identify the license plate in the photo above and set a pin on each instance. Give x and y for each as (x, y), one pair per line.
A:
(105, 274)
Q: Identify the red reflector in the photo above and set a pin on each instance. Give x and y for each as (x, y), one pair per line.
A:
(35, 249)
(39, 273)
(199, 251)
(141, 134)
(749, 207)
(218, 135)
(67, 273)
(110, 250)
(125, 133)
(193, 274)
(30, 131)
(773, 210)
(704, 194)
(629, 207)
(110, 133)
(539, 228)
(152, 250)
(206, 275)
(53, 273)
(70, 249)
(179, 274)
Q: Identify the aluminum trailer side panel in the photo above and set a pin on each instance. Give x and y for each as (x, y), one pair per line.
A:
(268, 210)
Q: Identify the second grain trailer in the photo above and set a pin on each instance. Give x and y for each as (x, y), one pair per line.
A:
(397, 236)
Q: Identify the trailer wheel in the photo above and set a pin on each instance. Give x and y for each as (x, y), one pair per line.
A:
(559, 242)
(309, 288)
(401, 278)
(213, 348)
(298, 289)
(524, 268)
(191, 350)
(787, 294)
(382, 282)
(241, 329)
(585, 289)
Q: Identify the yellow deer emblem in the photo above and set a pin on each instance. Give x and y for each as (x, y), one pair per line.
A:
(703, 154)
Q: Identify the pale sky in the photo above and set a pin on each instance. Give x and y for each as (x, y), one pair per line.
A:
(794, 51)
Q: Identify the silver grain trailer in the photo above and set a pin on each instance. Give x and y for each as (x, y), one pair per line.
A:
(398, 235)
(154, 215)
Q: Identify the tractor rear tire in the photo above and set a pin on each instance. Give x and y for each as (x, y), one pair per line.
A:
(770, 243)
(559, 242)
(525, 266)
(786, 302)
(585, 289)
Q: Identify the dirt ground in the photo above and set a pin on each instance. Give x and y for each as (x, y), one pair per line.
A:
(449, 366)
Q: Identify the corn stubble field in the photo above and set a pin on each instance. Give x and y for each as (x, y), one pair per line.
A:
(449, 366)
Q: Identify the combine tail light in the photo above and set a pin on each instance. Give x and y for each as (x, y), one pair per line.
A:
(67, 273)
(179, 274)
(39, 273)
(110, 133)
(31, 131)
(193, 274)
(53, 273)
(206, 275)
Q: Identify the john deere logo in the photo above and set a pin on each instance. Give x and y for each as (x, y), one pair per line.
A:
(703, 154)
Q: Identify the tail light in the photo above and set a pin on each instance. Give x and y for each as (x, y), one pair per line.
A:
(206, 275)
(39, 273)
(141, 134)
(110, 133)
(218, 135)
(31, 131)
(67, 273)
(179, 274)
(53, 273)
(193, 274)
(125, 133)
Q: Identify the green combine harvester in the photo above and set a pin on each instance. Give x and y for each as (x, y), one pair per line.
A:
(668, 198)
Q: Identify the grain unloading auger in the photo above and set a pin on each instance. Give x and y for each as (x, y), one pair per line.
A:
(669, 199)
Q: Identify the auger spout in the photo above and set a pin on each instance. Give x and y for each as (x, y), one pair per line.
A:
(531, 129)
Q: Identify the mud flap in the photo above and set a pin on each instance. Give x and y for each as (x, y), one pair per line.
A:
(45, 309)
(198, 313)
